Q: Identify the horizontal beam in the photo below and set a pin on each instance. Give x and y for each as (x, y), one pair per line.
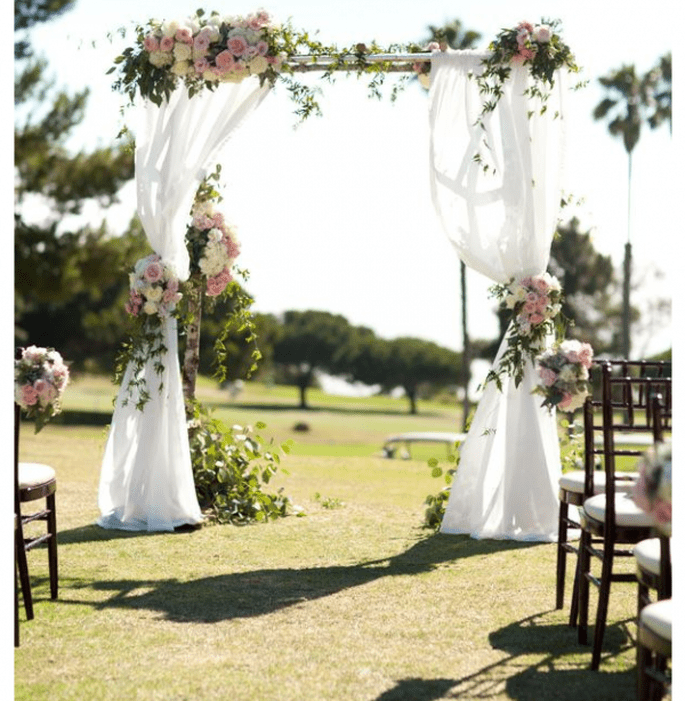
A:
(398, 62)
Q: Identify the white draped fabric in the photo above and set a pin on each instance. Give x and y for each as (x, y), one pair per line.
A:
(146, 480)
(501, 220)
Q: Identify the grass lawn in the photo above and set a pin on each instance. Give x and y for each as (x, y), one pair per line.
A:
(353, 602)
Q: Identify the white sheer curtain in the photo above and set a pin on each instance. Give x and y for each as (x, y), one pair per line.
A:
(146, 480)
(501, 221)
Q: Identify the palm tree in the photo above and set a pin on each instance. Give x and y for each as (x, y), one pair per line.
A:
(630, 100)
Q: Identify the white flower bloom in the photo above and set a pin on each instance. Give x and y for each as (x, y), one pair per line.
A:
(181, 68)
(170, 28)
(150, 308)
(182, 52)
(159, 59)
(542, 34)
(258, 65)
(153, 293)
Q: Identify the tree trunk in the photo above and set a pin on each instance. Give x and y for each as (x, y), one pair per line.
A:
(191, 359)
(466, 361)
(627, 265)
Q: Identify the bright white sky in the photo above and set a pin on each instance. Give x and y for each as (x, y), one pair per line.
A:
(336, 215)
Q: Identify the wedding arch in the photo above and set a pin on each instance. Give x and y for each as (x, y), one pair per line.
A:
(496, 144)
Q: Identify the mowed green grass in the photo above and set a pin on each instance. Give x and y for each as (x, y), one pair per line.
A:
(355, 602)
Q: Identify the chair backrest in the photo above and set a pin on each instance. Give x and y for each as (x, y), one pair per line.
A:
(620, 409)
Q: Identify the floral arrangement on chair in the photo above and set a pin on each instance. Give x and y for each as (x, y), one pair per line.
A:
(565, 374)
(40, 378)
(535, 303)
(213, 246)
(653, 489)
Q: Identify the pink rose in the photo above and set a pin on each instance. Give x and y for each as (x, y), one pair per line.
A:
(662, 511)
(566, 400)
(202, 41)
(232, 247)
(184, 35)
(585, 355)
(201, 65)
(215, 286)
(237, 45)
(225, 61)
(153, 272)
(169, 297)
(166, 44)
(262, 48)
(526, 54)
(172, 285)
(548, 376)
(542, 34)
(150, 43)
(536, 318)
(29, 396)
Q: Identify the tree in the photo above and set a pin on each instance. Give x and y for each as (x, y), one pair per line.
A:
(310, 342)
(630, 100)
(65, 281)
(589, 285)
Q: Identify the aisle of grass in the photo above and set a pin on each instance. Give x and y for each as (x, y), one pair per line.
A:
(354, 601)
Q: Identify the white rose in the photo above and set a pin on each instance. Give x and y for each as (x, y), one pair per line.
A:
(150, 308)
(159, 59)
(181, 68)
(214, 235)
(170, 28)
(258, 65)
(425, 80)
(182, 52)
(542, 34)
(153, 294)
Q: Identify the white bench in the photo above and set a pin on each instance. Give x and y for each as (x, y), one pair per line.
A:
(392, 443)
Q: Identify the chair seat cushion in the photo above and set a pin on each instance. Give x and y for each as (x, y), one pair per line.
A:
(648, 555)
(32, 474)
(658, 618)
(575, 481)
(628, 513)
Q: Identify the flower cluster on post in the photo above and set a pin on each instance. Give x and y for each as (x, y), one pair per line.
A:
(653, 490)
(213, 246)
(154, 288)
(564, 373)
(535, 303)
(40, 377)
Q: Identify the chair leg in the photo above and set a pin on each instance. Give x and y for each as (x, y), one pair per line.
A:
(643, 660)
(603, 603)
(583, 586)
(52, 545)
(573, 614)
(561, 553)
(23, 565)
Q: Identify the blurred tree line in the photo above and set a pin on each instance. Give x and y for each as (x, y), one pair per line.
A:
(71, 283)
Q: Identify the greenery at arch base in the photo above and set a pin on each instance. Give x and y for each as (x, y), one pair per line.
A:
(231, 466)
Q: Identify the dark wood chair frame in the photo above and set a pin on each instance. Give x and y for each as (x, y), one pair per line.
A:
(569, 498)
(23, 543)
(653, 655)
(629, 397)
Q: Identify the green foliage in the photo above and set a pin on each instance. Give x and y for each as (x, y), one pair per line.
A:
(231, 468)
(436, 503)
(329, 502)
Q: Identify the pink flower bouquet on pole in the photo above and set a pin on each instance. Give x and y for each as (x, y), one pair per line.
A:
(653, 490)
(40, 377)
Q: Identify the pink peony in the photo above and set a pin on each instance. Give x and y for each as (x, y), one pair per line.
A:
(585, 355)
(202, 41)
(201, 65)
(215, 286)
(262, 48)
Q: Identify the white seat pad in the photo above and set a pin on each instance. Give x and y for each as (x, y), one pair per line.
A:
(33, 473)
(648, 555)
(575, 481)
(658, 617)
(628, 513)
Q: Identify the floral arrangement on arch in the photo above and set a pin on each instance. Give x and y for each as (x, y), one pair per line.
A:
(653, 490)
(535, 304)
(154, 288)
(40, 378)
(213, 246)
(564, 373)
(537, 46)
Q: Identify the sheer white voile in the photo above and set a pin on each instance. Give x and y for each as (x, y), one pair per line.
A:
(146, 480)
(501, 221)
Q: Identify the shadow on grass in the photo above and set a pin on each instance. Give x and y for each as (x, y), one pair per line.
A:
(72, 417)
(551, 675)
(332, 408)
(259, 592)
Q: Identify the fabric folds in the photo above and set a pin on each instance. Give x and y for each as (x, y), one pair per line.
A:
(496, 188)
